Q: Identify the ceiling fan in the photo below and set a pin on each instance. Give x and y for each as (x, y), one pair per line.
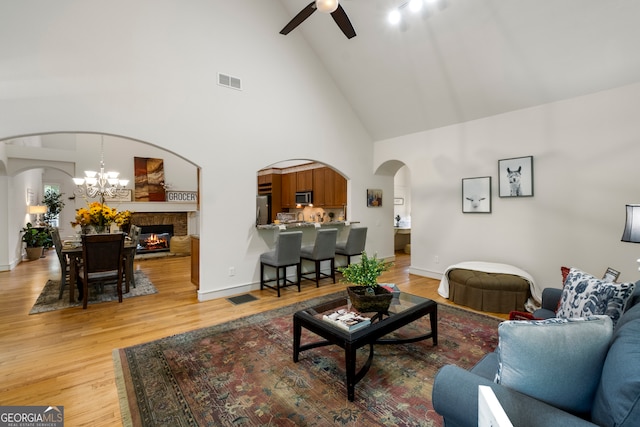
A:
(326, 6)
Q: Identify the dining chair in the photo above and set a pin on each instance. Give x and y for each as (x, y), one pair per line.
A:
(102, 261)
(65, 267)
(134, 233)
(354, 245)
(323, 249)
(286, 254)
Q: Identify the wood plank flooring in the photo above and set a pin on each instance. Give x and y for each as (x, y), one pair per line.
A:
(64, 357)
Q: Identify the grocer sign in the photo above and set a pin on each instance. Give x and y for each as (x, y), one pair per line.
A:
(182, 196)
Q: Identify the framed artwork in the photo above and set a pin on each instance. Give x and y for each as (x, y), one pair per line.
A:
(374, 198)
(149, 174)
(476, 195)
(398, 201)
(515, 177)
(611, 275)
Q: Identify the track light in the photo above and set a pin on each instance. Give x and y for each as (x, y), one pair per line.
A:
(396, 16)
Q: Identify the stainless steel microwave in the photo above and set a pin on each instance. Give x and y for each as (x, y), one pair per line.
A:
(304, 198)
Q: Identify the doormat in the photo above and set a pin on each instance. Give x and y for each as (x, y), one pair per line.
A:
(241, 299)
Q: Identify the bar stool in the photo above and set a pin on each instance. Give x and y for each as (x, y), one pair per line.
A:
(324, 249)
(354, 245)
(286, 254)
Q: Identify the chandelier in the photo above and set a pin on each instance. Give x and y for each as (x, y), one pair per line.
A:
(100, 184)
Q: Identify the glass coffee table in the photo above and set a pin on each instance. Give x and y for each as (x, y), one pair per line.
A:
(405, 308)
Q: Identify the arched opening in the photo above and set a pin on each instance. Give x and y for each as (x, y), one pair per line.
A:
(53, 159)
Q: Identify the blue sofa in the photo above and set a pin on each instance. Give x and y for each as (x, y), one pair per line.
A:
(616, 401)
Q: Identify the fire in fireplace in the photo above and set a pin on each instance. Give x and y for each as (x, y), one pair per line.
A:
(154, 238)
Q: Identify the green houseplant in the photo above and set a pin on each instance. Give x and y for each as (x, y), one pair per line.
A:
(366, 295)
(54, 203)
(35, 240)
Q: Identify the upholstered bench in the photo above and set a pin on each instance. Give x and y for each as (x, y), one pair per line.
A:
(492, 292)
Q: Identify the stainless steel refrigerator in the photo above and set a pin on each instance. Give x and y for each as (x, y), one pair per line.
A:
(263, 209)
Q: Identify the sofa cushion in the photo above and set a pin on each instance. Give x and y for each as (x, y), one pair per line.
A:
(585, 295)
(617, 399)
(558, 361)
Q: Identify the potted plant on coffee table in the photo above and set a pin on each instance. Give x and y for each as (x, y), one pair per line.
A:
(35, 239)
(367, 295)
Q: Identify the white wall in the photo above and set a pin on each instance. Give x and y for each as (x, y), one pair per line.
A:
(586, 153)
(147, 70)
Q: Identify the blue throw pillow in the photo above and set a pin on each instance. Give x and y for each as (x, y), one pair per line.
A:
(558, 361)
(585, 295)
(617, 401)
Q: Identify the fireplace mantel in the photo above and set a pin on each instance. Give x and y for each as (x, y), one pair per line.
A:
(154, 206)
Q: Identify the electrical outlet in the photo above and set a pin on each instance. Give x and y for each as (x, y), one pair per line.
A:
(232, 271)
(436, 259)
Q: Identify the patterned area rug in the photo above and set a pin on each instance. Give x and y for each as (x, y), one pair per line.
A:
(48, 299)
(241, 373)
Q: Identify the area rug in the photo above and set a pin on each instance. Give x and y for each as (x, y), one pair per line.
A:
(48, 299)
(241, 373)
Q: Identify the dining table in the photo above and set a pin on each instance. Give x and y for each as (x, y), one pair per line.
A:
(73, 251)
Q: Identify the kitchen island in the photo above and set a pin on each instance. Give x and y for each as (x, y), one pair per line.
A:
(269, 232)
(295, 225)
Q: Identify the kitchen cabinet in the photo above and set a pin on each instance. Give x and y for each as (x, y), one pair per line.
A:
(304, 180)
(288, 196)
(271, 184)
(319, 187)
(331, 186)
(195, 260)
(339, 189)
(265, 184)
(328, 186)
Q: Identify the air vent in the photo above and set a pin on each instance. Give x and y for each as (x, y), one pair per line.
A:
(229, 81)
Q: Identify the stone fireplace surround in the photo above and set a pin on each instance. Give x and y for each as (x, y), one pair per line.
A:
(177, 219)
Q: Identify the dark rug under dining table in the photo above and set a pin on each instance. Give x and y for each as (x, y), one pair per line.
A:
(241, 373)
(49, 300)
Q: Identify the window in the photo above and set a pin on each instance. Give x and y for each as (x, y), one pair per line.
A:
(53, 218)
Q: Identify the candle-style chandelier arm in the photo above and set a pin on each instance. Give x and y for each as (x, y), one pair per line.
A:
(102, 184)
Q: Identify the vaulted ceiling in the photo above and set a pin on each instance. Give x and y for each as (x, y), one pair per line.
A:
(469, 59)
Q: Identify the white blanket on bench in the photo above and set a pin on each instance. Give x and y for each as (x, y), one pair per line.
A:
(488, 267)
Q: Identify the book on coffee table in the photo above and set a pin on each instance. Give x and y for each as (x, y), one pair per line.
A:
(348, 320)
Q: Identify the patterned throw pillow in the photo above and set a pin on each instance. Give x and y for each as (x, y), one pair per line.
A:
(585, 295)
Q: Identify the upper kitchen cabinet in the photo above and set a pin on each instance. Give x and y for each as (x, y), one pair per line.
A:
(271, 184)
(319, 187)
(335, 191)
(328, 186)
(304, 180)
(288, 196)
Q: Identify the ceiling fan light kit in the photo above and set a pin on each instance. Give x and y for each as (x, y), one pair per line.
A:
(326, 6)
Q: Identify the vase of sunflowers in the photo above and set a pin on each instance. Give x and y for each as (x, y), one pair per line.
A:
(97, 218)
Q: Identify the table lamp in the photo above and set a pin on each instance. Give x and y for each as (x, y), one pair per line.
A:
(37, 210)
(631, 231)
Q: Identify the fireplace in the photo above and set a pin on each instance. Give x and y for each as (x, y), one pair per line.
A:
(155, 238)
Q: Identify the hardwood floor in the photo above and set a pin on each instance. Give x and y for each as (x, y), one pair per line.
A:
(64, 357)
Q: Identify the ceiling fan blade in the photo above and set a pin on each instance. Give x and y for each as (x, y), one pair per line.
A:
(299, 18)
(341, 18)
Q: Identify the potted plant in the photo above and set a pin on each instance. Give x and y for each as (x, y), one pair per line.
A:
(367, 295)
(54, 203)
(35, 239)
